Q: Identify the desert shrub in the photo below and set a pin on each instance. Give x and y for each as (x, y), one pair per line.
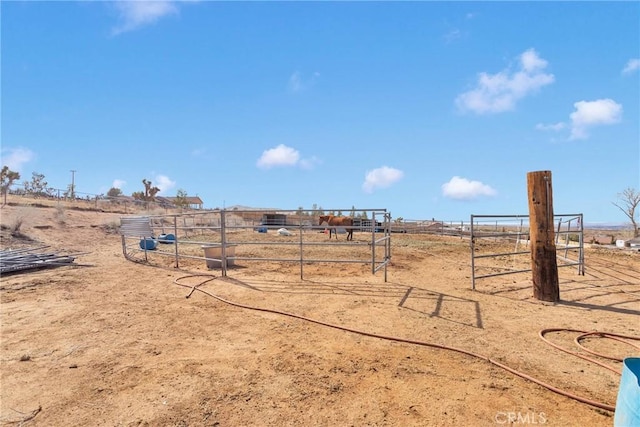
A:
(111, 227)
(15, 226)
(574, 237)
(60, 215)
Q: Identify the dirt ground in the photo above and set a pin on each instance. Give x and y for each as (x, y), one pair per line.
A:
(109, 342)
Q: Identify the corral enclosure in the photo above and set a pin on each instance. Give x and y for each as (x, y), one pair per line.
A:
(499, 244)
(291, 237)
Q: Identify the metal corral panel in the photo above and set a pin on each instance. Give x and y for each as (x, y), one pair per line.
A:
(139, 226)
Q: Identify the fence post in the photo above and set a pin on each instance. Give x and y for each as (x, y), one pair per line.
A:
(473, 258)
(544, 264)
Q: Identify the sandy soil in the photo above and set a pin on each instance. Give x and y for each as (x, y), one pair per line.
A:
(110, 342)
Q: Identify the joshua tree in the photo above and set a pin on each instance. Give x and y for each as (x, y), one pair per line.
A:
(37, 186)
(629, 200)
(7, 177)
(149, 191)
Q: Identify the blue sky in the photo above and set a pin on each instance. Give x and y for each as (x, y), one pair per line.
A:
(428, 109)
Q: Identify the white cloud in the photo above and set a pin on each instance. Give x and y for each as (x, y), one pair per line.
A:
(309, 163)
(382, 177)
(553, 127)
(15, 158)
(531, 62)
(462, 189)
(118, 183)
(164, 184)
(297, 83)
(496, 93)
(285, 156)
(632, 65)
(279, 156)
(593, 113)
(138, 13)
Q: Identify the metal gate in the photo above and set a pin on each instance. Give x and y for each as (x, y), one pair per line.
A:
(512, 231)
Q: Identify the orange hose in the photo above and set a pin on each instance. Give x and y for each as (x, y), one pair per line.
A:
(614, 337)
(584, 334)
(428, 344)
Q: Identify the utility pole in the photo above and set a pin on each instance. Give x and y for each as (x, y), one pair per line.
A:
(73, 185)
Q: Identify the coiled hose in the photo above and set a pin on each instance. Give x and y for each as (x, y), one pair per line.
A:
(623, 338)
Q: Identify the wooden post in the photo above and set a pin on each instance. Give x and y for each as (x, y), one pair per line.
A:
(543, 248)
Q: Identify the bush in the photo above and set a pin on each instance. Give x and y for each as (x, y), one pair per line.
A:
(14, 227)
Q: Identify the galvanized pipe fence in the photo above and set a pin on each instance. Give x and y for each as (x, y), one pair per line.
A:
(493, 236)
(226, 232)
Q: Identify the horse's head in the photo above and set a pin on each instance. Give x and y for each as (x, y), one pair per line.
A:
(323, 218)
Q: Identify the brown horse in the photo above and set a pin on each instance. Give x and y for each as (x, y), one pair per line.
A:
(338, 221)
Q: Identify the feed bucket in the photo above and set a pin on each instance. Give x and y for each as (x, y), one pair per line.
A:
(166, 238)
(148, 244)
(215, 251)
(628, 404)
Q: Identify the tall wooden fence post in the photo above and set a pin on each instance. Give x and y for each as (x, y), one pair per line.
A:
(543, 248)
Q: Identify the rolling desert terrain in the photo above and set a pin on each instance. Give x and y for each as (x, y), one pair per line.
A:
(103, 341)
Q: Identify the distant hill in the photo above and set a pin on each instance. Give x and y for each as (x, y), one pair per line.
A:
(249, 208)
(613, 226)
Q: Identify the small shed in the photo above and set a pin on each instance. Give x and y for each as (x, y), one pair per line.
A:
(274, 219)
(634, 243)
(193, 202)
